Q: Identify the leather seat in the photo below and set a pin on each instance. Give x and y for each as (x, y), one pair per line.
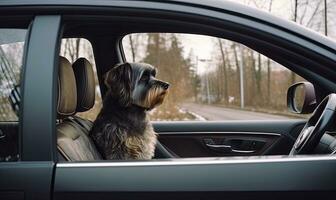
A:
(86, 90)
(73, 141)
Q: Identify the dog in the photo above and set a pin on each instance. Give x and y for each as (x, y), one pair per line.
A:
(122, 129)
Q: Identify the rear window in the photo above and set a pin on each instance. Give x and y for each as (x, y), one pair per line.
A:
(12, 42)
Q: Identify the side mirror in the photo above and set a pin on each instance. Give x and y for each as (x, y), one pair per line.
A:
(301, 98)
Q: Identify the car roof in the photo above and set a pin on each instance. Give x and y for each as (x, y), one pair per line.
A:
(216, 5)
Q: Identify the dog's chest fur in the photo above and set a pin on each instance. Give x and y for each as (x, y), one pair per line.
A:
(126, 134)
(141, 145)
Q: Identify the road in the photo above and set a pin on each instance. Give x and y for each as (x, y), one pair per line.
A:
(210, 112)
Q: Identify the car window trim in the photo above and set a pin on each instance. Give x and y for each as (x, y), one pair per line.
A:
(197, 161)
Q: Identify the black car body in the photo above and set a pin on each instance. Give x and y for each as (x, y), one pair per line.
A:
(39, 175)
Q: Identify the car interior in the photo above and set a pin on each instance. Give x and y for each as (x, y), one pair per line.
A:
(176, 139)
(76, 89)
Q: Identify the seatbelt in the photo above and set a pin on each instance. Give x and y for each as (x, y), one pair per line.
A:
(61, 152)
(80, 125)
(81, 122)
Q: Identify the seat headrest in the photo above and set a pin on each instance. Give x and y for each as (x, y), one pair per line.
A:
(67, 98)
(85, 84)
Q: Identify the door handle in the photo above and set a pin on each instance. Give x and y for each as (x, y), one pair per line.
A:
(227, 149)
(220, 147)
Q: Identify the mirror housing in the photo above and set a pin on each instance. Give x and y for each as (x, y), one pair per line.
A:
(301, 98)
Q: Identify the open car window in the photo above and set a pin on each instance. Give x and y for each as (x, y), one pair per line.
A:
(213, 79)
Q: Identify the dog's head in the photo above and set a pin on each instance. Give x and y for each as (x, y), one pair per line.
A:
(135, 83)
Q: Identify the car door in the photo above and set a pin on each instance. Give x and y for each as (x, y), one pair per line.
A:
(275, 177)
(27, 75)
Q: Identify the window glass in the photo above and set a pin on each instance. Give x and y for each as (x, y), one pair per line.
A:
(12, 43)
(72, 49)
(212, 78)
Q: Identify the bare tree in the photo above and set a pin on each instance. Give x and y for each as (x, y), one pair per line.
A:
(325, 18)
(77, 43)
(292, 80)
(131, 41)
(235, 54)
(223, 70)
(268, 98)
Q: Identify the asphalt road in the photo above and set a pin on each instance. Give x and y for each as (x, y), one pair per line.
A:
(210, 112)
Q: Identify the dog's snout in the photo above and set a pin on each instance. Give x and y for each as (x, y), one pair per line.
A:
(161, 84)
(165, 85)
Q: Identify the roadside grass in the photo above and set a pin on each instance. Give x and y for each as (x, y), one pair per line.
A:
(170, 113)
(173, 112)
(285, 113)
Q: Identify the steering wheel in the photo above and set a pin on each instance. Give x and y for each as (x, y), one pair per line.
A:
(321, 121)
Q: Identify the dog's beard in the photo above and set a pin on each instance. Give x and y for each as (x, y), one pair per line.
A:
(153, 98)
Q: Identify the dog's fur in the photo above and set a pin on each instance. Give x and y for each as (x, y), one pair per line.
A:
(122, 129)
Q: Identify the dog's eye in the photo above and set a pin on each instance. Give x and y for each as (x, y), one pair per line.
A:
(144, 78)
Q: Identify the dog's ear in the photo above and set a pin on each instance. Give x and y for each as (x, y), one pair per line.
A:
(119, 82)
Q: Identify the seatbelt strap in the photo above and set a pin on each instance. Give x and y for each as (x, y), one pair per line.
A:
(81, 122)
(79, 125)
(62, 153)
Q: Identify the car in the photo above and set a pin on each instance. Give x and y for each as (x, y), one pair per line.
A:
(282, 159)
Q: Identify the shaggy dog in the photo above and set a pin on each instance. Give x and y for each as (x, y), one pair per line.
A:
(122, 129)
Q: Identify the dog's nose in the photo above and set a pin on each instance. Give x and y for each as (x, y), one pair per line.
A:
(165, 86)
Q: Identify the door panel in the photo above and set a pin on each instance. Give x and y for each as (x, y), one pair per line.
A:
(26, 180)
(229, 138)
(210, 178)
(198, 144)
